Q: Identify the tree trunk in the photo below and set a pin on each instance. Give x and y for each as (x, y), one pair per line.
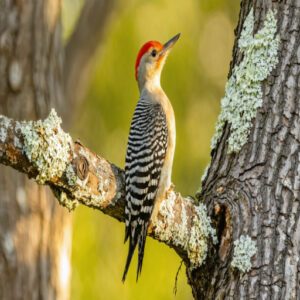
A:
(255, 191)
(35, 233)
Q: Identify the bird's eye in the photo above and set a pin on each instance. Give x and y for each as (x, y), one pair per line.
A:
(154, 52)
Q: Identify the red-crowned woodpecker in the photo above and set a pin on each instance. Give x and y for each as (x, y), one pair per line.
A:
(150, 149)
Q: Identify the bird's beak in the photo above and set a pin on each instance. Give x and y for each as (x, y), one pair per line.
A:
(169, 45)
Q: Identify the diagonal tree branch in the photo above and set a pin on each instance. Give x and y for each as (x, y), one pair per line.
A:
(44, 152)
(83, 43)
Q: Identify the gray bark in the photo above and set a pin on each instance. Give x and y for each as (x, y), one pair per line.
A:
(256, 191)
(34, 230)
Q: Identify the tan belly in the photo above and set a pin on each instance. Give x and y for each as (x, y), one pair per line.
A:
(166, 173)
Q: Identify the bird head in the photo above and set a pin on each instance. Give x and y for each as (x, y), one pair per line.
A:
(150, 61)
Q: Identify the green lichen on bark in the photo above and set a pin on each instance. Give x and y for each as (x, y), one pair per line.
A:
(201, 231)
(243, 94)
(4, 125)
(68, 203)
(47, 146)
(71, 176)
(244, 249)
(191, 234)
(64, 200)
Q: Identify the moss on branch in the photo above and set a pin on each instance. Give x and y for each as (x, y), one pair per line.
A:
(43, 151)
(47, 146)
(243, 93)
(185, 224)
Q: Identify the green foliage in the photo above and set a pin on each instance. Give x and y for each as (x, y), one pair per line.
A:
(193, 78)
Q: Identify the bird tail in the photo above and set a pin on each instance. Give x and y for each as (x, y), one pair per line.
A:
(137, 238)
(142, 243)
(133, 240)
(127, 222)
(127, 233)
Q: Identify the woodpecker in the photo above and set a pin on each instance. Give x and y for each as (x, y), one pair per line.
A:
(150, 148)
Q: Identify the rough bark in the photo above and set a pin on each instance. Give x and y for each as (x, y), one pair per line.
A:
(256, 191)
(34, 231)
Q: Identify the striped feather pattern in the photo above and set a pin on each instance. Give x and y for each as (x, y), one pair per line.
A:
(146, 151)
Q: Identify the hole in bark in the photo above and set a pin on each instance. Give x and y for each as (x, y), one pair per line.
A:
(223, 226)
(82, 167)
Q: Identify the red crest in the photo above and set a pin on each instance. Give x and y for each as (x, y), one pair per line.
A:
(151, 44)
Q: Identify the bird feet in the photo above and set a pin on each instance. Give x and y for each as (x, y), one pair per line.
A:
(170, 190)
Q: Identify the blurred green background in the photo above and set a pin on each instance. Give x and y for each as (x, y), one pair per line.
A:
(194, 78)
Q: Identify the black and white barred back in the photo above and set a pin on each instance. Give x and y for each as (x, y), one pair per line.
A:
(146, 151)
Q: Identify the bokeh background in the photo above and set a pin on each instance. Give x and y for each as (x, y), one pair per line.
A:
(194, 78)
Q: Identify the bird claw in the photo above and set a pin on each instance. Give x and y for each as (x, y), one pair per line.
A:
(170, 190)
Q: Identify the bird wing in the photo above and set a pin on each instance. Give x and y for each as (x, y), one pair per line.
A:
(146, 151)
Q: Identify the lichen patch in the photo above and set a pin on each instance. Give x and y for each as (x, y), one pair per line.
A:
(47, 146)
(4, 125)
(71, 176)
(244, 249)
(189, 233)
(203, 177)
(243, 94)
(64, 200)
